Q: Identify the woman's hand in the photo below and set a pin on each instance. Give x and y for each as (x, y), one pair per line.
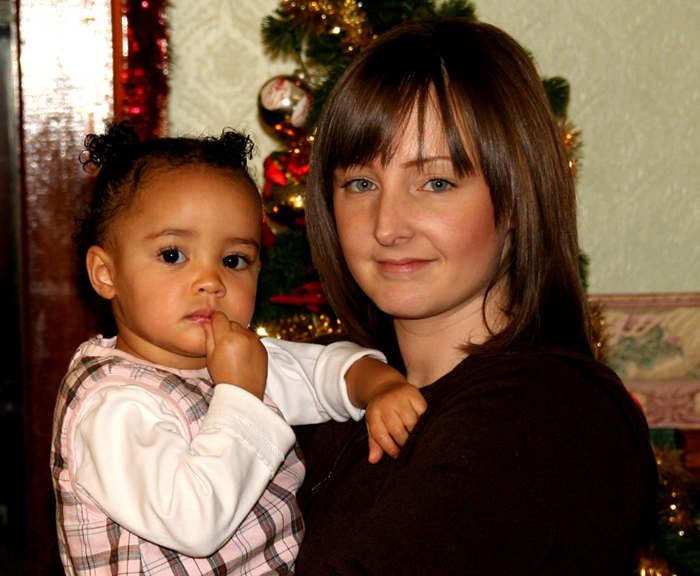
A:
(235, 355)
(392, 413)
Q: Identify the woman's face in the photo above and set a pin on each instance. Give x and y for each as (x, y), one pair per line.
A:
(421, 242)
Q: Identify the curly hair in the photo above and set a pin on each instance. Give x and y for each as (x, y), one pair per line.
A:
(121, 163)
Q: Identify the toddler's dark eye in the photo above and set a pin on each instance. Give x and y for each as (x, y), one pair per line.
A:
(235, 261)
(172, 256)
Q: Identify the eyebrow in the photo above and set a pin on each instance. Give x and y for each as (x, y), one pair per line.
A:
(428, 160)
(181, 232)
(184, 233)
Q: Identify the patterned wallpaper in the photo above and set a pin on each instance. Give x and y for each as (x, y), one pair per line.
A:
(634, 68)
(219, 67)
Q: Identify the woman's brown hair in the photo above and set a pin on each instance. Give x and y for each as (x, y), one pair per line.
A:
(486, 87)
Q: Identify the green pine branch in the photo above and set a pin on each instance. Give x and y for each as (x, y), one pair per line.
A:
(326, 50)
(558, 90)
(456, 9)
(284, 267)
(279, 36)
(320, 91)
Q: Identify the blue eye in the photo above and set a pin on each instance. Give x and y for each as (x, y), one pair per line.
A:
(360, 185)
(235, 261)
(438, 185)
(172, 256)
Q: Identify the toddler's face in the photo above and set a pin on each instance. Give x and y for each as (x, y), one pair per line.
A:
(188, 247)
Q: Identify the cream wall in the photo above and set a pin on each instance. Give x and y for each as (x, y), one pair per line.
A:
(634, 68)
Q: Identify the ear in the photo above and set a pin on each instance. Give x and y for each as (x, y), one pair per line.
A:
(100, 269)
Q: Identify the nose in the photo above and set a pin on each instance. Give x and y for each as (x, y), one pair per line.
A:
(208, 280)
(393, 218)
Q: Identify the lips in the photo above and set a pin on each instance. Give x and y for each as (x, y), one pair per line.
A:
(202, 316)
(403, 265)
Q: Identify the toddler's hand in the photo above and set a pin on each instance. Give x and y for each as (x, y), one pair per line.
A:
(391, 415)
(235, 355)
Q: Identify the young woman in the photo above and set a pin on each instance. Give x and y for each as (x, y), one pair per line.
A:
(442, 215)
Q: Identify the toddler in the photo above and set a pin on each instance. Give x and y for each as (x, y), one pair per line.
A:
(167, 456)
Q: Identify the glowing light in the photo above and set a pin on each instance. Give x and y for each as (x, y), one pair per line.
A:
(261, 332)
(77, 72)
(125, 36)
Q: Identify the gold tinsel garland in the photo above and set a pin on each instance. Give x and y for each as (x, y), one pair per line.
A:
(300, 327)
(653, 566)
(344, 17)
(572, 142)
(598, 330)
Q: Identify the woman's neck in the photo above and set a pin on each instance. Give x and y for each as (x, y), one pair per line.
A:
(432, 347)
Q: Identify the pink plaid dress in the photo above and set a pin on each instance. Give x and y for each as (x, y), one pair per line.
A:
(91, 543)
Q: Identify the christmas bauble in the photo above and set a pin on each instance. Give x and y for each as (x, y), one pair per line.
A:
(284, 192)
(284, 104)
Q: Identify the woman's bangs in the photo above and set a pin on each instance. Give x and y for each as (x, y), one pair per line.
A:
(370, 127)
(368, 123)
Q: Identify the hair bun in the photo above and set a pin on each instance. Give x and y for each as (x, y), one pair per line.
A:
(238, 145)
(101, 148)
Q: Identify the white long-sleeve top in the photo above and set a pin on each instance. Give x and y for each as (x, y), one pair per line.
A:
(191, 492)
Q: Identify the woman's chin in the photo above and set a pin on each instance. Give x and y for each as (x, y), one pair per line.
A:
(410, 308)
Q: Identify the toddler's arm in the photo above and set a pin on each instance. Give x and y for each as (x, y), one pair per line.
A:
(305, 381)
(393, 405)
(139, 462)
(312, 383)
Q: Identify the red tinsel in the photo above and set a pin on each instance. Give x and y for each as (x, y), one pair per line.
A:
(310, 295)
(145, 74)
